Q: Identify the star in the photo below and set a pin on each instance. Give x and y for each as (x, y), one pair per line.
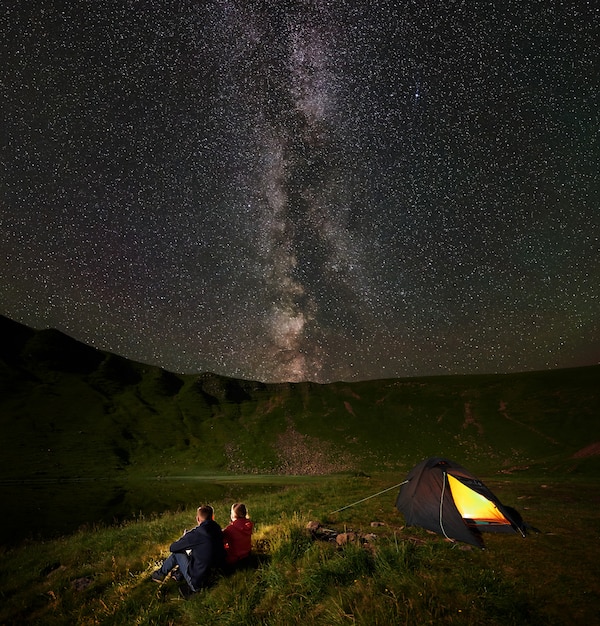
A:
(319, 190)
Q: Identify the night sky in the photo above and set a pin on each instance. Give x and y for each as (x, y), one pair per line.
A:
(305, 189)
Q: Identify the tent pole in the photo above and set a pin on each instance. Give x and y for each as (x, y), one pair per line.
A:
(444, 479)
(369, 497)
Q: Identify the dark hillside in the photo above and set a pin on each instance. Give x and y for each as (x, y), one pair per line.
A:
(13, 338)
(68, 410)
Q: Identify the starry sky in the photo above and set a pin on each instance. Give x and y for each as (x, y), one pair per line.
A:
(305, 189)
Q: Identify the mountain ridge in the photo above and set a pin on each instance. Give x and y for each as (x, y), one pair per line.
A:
(71, 410)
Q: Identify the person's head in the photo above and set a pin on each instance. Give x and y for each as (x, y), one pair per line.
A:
(204, 512)
(238, 511)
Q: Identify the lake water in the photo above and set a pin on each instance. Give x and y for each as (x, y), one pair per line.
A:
(46, 509)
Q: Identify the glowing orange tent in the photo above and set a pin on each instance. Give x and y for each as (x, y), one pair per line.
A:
(444, 497)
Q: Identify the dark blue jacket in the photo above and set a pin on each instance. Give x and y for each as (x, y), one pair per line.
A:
(206, 545)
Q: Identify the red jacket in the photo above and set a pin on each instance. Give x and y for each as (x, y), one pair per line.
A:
(237, 538)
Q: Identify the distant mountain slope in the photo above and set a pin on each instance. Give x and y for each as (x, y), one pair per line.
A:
(68, 410)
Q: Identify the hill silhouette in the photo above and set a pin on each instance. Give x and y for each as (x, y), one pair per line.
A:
(68, 410)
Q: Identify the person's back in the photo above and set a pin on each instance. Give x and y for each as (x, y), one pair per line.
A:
(215, 534)
(238, 535)
(197, 552)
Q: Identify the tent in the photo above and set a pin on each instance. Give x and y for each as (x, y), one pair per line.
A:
(442, 496)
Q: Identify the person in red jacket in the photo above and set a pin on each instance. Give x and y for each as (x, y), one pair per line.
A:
(237, 536)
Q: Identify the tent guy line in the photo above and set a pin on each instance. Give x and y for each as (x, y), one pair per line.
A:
(369, 497)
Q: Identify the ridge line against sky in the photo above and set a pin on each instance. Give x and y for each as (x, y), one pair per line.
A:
(305, 190)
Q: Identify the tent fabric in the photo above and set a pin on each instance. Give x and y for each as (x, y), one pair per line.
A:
(442, 496)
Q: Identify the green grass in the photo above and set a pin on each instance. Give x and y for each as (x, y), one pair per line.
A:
(125, 417)
(100, 575)
(70, 411)
(73, 415)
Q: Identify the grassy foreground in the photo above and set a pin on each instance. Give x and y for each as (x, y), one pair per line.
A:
(399, 576)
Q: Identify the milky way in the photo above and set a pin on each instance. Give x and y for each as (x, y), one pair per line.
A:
(308, 189)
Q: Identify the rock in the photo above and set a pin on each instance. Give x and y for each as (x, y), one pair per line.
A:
(79, 584)
(343, 538)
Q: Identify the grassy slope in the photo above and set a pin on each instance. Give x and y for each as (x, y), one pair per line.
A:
(406, 576)
(68, 410)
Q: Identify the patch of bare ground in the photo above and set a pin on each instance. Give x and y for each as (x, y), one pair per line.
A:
(304, 455)
(502, 409)
(273, 403)
(514, 468)
(592, 450)
(236, 463)
(470, 419)
(351, 393)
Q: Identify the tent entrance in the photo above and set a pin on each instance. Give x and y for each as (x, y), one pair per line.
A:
(474, 507)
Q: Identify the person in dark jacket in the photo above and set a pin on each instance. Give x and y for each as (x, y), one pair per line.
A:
(197, 552)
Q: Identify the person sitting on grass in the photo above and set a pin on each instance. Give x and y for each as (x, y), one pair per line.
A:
(198, 552)
(237, 536)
